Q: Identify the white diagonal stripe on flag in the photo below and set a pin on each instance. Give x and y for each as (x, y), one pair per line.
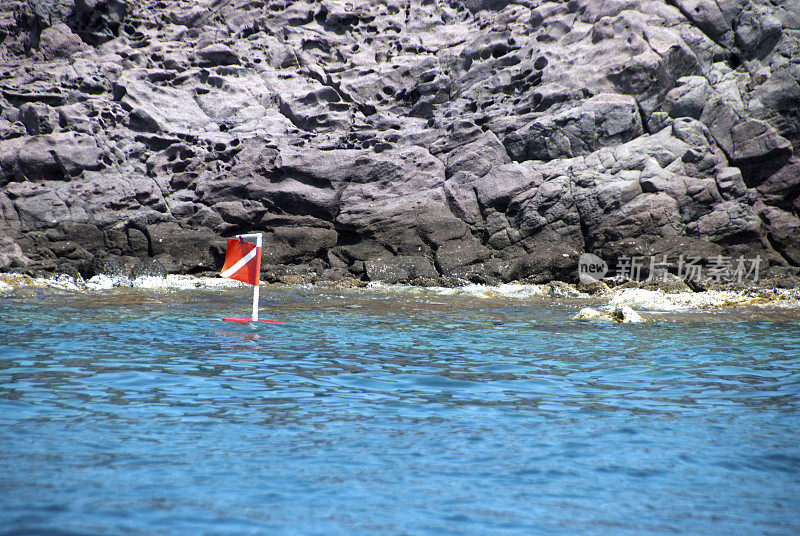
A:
(240, 263)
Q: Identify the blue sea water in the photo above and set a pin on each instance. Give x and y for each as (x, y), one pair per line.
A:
(377, 412)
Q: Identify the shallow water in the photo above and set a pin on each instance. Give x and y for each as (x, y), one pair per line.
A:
(391, 412)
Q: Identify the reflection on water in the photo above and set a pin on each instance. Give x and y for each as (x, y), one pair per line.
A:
(386, 412)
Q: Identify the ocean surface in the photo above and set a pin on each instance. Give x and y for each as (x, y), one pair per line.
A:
(391, 412)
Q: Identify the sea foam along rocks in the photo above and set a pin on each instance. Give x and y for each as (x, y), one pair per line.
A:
(169, 282)
(11, 281)
(505, 290)
(106, 282)
(619, 314)
(657, 300)
(65, 282)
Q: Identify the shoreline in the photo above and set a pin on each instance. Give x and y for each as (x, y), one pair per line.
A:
(620, 304)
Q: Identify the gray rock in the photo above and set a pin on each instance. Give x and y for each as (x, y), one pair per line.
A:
(112, 266)
(757, 31)
(477, 157)
(58, 156)
(479, 141)
(779, 187)
(50, 12)
(217, 54)
(58, 41)
(730, 183)
(186, 250)
(785, 237)
(625, 315)
(729, 219)
(298, 244)
(148, 268)
(553, 261)
(606, 119)
(11, 255)
(688, 98)
(38, 118)
(479, 5)
(707, 15)
(756, 140)
(98, 21)
(400, 269)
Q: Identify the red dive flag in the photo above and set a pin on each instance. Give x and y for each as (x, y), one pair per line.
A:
(242, 262)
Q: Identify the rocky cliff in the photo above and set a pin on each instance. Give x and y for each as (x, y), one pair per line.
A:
(414, 140)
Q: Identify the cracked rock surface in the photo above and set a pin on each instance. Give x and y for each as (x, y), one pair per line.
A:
(419, 140)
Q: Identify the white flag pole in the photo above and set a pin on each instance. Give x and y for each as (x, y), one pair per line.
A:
(258, 282)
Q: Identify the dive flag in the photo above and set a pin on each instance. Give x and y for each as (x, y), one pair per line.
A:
(242, 261)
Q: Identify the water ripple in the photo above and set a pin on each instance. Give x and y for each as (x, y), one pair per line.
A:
(374, 413)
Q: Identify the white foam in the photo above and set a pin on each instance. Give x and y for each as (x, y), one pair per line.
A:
(181, 282)
(106, 282)
(505, 290)
(102, 282)
(641, 299)
(658, 300)
(61, 282)
(623, 314)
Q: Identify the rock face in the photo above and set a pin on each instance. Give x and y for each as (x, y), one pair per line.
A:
(398, 141)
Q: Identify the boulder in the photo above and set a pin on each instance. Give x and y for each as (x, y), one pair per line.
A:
(606, 119)
(112, 266)
(756, 140)
(477, 157)
(183, 249)
(688, 98)
(217, 54)
(779, 187)
(38, 118)
(589, 313)
(784, 233)
(625, 315)
(400, 269)
(757, 31)
(58, 42)
(11, 255)
(98, 21)
(549, 262)
(60, 156)
(148, 268)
